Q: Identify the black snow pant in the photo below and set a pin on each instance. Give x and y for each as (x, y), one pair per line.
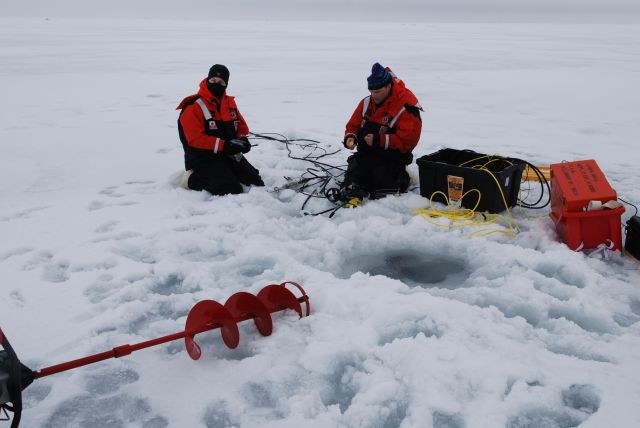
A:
(375, 174)
(223, 175)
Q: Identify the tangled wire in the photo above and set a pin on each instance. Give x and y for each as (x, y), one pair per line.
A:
(320, 180)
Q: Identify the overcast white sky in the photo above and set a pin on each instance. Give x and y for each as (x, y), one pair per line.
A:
(418, 10)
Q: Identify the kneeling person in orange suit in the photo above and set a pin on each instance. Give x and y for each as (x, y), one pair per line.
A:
(385, 128)
(214, 138)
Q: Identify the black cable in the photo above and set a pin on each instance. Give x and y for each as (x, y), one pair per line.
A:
(629, 203)
(544, 184)
(317, 180)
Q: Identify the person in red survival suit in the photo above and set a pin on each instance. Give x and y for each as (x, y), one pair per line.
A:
(214, 138)
(385, 128)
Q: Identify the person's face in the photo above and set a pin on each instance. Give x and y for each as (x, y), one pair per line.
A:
(218, 80)
(379, 95)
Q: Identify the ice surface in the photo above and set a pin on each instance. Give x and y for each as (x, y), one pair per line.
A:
(412, 325)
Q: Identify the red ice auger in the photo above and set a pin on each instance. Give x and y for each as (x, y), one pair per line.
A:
(204, 316)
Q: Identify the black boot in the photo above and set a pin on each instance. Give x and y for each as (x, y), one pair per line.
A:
(353, 195)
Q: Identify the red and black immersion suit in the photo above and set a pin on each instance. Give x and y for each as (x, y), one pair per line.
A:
(205, 125)
(396, 126)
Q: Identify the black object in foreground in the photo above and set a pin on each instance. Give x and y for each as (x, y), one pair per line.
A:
(14, 378)
(632, 242)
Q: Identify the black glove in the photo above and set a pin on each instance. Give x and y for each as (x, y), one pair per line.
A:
(236, 145)
(376, 140)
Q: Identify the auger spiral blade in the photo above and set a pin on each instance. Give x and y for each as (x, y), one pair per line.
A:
(277, 297)
(245, 305)
(208, 315)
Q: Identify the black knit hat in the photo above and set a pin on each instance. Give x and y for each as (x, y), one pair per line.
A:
(220, 71)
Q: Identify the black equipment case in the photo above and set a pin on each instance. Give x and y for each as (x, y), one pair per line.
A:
(471, 170)
(632, 243)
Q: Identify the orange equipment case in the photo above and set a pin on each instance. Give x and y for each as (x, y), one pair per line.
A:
(573, 186)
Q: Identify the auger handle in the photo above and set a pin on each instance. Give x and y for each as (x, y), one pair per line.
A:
(117, 352)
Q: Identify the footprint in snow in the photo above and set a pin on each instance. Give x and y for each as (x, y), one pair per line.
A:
(14, 253)
(109, 380)
(107, 227)
(122, 410)
(446, 420)
(23, 214)
(579, 402)
(111, 192)
(98, 205)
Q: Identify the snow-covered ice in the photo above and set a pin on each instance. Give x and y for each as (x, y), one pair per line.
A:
(412, 325)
